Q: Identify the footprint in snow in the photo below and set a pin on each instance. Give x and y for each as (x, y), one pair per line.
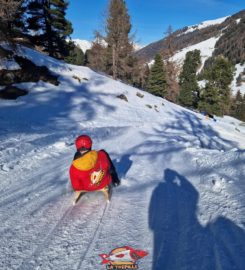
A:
(218, 185)
(5, 168)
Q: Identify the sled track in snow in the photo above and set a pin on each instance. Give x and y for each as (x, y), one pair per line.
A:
(54, 237)
(94, 238)
(45, 242)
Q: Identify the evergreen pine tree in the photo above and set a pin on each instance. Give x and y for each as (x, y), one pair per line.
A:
(219, 77)
(19, 22)
(189, 89)
(48, 25)
(210, 100)
(117, 37)
(238, 106)
(87, 57)
(242, 117)
(75, 54)
(157, 80)
(239, 101)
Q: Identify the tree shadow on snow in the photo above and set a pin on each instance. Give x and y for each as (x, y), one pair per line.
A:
(180, 241)
(48, 106)
(188, 127)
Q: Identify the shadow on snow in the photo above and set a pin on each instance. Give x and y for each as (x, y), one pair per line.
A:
(180, 241)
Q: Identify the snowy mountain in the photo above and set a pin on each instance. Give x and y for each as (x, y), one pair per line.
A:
(181, 197)
(86, 45)
(206, 48)
(205, 24)
(214, 37)
(83, 44)
(138, 47)
(191, 35)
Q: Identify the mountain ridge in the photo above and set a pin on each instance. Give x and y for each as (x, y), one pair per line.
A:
(223, 36)
(184, 37)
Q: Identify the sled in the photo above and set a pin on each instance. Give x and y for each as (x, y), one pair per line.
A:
(106, 191)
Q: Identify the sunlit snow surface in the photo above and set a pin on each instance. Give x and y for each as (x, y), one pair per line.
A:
(206, 24)
(182, 188)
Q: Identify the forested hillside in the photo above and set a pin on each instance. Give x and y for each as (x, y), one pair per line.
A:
(188, 36)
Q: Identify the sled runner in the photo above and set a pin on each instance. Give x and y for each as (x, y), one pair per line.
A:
(106, 191)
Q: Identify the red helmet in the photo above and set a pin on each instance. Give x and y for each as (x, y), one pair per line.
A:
(83, 142)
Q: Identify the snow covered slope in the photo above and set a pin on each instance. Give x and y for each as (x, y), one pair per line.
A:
(181, 197)
(206, 48)
(239, 71)
(205, 24)
(211, 37)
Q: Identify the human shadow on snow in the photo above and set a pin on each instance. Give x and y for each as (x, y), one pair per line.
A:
(180, 241)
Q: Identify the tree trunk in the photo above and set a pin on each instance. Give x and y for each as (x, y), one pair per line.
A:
(114, 65)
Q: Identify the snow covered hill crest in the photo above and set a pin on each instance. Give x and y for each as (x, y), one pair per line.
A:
(182, 177)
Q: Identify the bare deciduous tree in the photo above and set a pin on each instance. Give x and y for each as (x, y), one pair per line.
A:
(172, 69)
(8, 9)
(170, 48)
(97, 53)
(120, 46)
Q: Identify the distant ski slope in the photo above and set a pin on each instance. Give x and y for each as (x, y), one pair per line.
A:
(182, 178)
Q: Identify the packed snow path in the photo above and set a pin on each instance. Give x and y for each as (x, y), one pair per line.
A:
(181, 196)
(157, 208)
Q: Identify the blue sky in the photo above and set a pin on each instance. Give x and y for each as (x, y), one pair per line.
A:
(150, 18)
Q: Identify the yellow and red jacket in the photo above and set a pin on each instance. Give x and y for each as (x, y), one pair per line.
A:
(90, 171)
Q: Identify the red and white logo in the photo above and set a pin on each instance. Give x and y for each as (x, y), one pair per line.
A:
(123, 257)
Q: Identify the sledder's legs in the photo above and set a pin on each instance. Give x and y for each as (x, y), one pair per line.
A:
(107, 193)
(77, 196)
